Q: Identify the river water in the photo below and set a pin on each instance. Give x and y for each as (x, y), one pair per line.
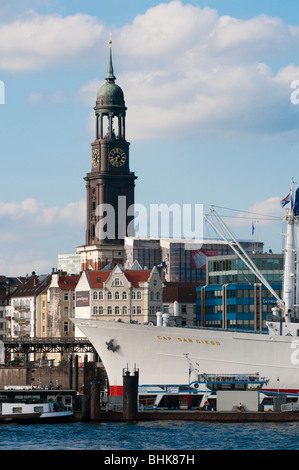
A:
(150, 435)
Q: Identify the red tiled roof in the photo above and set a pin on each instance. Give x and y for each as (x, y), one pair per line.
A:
(97, 278)
(134, 277)
(68, 282)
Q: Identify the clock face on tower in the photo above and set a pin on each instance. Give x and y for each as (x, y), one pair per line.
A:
(117, 157)
(95, 157)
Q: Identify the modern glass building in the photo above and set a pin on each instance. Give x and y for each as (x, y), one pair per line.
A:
(70, 264)
(182, 260)
(233, 297)
(238, 306)
(231, 269)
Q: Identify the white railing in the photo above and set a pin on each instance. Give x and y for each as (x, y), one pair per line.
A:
(290, 407)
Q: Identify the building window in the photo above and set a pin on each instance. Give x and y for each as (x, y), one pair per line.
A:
(65, 311)
(109, 296)
(124, 310)
(66, 296)
(101, 310)
(95, 296)
(133, 295)
(117, 282)
(138, 295)
(116, 310)
(101, 295)
(95, 310)
(109, 310)
(124, 296)
(158, 295)
(133, 310)
(116, 295)
(65, 327)
(138, 310)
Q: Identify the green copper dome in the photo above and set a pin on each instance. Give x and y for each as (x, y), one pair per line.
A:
(110, 94)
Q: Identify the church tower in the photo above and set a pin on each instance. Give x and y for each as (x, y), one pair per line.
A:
(110, 183)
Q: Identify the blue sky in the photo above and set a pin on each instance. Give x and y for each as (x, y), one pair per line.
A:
(210, 120)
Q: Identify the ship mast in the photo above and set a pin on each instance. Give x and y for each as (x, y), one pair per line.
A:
(297, 272)
(289, 264)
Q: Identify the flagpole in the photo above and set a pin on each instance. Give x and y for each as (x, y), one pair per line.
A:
(254, 238)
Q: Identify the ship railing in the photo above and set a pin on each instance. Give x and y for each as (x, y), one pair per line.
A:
(230, 378)
(290, 407)
(232, 330)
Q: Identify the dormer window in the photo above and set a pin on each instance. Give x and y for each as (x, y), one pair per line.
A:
(117, 282)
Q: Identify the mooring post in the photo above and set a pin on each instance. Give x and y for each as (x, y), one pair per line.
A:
(76, 373)
(71, 372)
(130, 395)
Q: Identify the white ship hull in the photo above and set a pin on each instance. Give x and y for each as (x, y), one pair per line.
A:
(159, 353)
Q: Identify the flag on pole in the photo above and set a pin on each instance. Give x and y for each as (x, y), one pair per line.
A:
(286, 200)
(252, 228)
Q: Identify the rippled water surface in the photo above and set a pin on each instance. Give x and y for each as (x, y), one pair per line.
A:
(154, 435)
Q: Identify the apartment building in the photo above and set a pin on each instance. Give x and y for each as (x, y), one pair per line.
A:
(131, 295)
(61, 305)
(26, 307)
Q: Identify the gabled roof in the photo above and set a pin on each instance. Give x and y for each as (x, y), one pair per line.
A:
(68, 282)
(136, 266)
(135, 277)
(12, 281)
(97, 278)
(33, 286)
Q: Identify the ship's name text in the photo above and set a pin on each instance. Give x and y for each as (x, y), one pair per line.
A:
(189, 340)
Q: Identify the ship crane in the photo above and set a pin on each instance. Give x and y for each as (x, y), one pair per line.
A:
(244, 256)
(285, 305)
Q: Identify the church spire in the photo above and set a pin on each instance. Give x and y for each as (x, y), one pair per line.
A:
(110, 76)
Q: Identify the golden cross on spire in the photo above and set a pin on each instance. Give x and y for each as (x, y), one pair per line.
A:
(110, 41)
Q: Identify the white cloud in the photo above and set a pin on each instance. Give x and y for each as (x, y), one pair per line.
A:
(36, 41)
(209, 75)
(185, 70)
(33, 234)
(34, 212)
(190, 72)
(265, 213)
(267, 216)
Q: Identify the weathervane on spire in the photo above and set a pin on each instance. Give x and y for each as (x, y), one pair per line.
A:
(110, 75)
